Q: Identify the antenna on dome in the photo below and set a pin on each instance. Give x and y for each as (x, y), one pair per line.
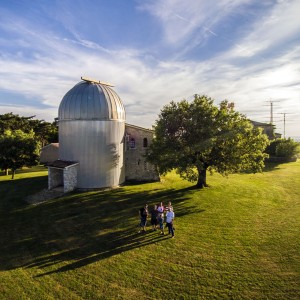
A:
(95, 81)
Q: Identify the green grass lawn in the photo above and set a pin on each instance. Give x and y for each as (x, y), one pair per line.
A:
(237, 239)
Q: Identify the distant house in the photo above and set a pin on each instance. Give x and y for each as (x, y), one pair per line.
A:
(268, 129)
(49, 153)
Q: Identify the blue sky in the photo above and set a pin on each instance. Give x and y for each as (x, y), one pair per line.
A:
(153, 51)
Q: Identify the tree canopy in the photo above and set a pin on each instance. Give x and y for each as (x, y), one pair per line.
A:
(18, 149)
(45, 132)
(194, 137)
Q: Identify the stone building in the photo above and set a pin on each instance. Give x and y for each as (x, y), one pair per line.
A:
(62, 174)
(137, 141)
(137, 169)
(97, 149)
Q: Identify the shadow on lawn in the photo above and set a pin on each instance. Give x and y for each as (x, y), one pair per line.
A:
(74, 231)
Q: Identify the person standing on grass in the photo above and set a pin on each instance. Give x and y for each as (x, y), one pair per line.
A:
(169, 206)
(143, 212)
(170, 216)
(160, 208)
(154, 213)
(160, 219)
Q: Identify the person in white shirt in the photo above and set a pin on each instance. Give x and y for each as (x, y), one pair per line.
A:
(169, 206)
(160, 208)
(170, 220)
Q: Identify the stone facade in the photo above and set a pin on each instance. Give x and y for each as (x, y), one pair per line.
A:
(70, 178)
(55, 177)
(62, 174)
(137, 141)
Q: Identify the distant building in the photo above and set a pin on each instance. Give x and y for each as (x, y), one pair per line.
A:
(49, 153)
(268, 129)
(137, 169)
(137, 141)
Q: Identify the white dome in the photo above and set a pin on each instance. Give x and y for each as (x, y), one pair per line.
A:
(89, 100)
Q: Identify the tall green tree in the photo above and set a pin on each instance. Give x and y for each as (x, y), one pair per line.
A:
(194, 137)
(18, 149)
(45, 132)
(10, 121)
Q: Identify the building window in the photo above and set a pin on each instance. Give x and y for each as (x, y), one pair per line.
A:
(145, 143)
(132, 143)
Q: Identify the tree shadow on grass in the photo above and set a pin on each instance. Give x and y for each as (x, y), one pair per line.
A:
(82, 228)
(13, 192)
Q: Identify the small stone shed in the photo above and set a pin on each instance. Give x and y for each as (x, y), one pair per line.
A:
(62, 174)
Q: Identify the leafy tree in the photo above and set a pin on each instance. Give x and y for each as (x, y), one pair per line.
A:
(198, 136)
(271, 148)
(13, 122)
(45, 132)
(18, 149)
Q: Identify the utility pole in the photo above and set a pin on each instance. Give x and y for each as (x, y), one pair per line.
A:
(271, 114)
(283, 123)
(271, 110)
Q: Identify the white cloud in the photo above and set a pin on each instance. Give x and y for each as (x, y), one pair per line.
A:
(180, 19)
(146, 83)
(275, 29)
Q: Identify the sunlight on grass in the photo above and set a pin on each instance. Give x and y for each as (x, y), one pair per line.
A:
(237, 239)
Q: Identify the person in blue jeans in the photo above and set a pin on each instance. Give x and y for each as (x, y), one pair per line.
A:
(170, 216)
(160, 219)
(143, 212)
(154, 214)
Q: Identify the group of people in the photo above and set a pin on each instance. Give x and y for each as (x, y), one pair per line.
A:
(158, 215)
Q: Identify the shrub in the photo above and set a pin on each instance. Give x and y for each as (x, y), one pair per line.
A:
(287, 148)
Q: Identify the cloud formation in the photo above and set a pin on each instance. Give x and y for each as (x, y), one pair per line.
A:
(243, 51)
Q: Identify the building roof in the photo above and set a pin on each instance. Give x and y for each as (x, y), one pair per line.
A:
(55, 145)
(255, 123)
(91, 100)
(61, 164)
(138, 127)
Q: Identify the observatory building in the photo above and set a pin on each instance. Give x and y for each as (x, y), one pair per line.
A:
(94, 140)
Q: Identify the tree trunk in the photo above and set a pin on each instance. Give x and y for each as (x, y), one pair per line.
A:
(6, 172)
(201, 183)
(13, 174)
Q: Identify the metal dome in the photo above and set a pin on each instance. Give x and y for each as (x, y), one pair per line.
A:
(91, 100)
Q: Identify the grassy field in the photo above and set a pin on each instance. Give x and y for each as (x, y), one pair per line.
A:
(237, 239)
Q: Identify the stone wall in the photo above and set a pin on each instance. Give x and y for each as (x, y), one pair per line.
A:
(137, 141)
(65, 177)
(55, 178)
(70, 178)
